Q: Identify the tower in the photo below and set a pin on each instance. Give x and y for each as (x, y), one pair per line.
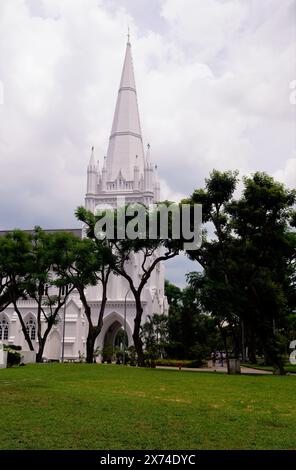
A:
(127, 172)
(92, 179)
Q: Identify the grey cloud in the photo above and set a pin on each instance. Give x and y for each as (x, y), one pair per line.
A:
(218, 100)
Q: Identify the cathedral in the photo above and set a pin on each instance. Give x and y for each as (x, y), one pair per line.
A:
(128, 173)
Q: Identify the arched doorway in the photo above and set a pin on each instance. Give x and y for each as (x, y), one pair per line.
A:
(114, 342)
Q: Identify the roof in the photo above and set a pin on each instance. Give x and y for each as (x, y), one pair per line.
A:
(75, 231)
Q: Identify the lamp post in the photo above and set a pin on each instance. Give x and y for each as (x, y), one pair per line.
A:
(124, 327)
(64, 323)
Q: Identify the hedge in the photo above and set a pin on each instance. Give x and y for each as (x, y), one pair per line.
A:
(180, 363)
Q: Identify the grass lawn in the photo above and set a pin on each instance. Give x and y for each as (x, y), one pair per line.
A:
(80, 406)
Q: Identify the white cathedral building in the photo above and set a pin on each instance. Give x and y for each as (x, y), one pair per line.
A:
(126, 172)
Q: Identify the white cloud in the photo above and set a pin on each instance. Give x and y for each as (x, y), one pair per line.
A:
(287, 174)
(213, 87)
(205, 26)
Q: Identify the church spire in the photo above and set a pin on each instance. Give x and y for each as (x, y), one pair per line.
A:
(125, 141)
(91, 174)
(92, 163)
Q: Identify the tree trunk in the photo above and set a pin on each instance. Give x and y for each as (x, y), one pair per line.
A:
(40, 351)
(235, 343)
(42, 342)
(252, 348)
(39, 328)
(224, 337)
(93, 333)
(273, 352)
(243, 341)
(102, 309)
(226, 355)
(24, 330)
(136, 334)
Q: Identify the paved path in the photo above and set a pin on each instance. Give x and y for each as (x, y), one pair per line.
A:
(244, 370)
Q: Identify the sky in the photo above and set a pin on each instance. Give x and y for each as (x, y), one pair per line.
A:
(213, 81)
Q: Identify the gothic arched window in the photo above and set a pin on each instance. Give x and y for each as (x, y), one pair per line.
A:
(4, 329)
(31, 328)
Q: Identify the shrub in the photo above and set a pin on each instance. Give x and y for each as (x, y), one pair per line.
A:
(132, 355)
(119, 355)
(108, 353)
(199, 354)
(81, 357)
(198, 363)
(180, 363)
(13, 356)
(13, 347)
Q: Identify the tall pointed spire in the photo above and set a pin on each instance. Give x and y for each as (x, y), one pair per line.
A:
(92, 163)
(126, 136)
(91, 174)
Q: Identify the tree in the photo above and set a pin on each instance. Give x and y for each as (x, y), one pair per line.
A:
(214, 256)
(173, 294)
(150, 251)
(83, 263)
(262, 220)
(193, 334)
(154, 333)
(247, 264)
(5, 284)
(15, 262)
(43, 286)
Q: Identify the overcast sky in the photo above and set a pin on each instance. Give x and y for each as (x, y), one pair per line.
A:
(213, 88)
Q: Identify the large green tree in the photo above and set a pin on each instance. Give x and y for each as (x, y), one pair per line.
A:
(248, 261)
(44, 286)
(262, 221)
(26, 263)
(15, 263)
(83, 263)
(150, 251)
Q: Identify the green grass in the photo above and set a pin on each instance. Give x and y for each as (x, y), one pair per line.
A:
(80, 406)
